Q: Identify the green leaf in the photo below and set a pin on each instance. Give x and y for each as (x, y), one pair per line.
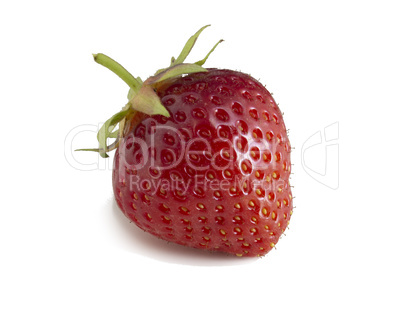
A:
(102, 152)
(106, 130)
(201, 62)
(93, 150)
(148, 102)
(118, 69)
(187, 47)
(131, 94)
(114, 134)
(174, 71)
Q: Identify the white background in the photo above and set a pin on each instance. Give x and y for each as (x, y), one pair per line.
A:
(65, 246)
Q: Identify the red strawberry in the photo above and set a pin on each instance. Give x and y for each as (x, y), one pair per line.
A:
(213, 173)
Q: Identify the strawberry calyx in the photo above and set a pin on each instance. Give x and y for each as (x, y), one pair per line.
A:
(142, 96)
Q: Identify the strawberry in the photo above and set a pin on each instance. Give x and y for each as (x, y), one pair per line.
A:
(202, 159)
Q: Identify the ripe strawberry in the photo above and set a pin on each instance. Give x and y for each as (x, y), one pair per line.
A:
(210, 169)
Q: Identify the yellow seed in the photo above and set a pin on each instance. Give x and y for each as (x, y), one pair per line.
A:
(254, 219)
(272, 245)
(244, 167)
(201, 206)
(278, 204)
(266, 227)
(134, 207)
(253, 230)
(268, 179)
(223, 233)
(135, 196)
(211, 176)
(237, 206)
(239, 254)
(251, 203)
(274, 175)
(257, 174)
(258, 192)
(264, 211)
(273, 215)
(228, 173)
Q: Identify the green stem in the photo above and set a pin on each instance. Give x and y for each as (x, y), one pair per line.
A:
(118, 69)
(187, 47)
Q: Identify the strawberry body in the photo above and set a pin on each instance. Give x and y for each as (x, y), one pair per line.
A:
(215, 174)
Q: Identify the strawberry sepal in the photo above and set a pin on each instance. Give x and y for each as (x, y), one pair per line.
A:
(142, 96)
